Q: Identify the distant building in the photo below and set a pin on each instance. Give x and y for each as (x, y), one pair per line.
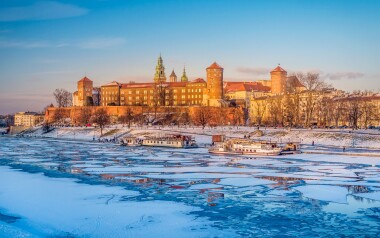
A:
(240, 93)
(157, 93)
(83, 97)
(28, 119)
(184, 92)
(214, 91)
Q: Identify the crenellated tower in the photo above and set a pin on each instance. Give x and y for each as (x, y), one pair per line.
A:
(85, 87)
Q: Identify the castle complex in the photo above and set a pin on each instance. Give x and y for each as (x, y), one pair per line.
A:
(213, 92)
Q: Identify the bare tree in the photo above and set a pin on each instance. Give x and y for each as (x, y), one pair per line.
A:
(237, 116)
(289, 112)
(260, 107)
(59, 115)
(63, 97)
(202, 116)
(127, 117)
(314, 85)
(368, 110)
(354, 111)
(276, 110)
(101, 118)
(85, 115)
(338, 109)
(184, 118)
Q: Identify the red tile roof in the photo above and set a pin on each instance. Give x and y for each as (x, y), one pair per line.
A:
(215, 66)
(151, 85)
(198, 80)
(85, 79)
(112, 84)
(278, 69)
(137, 85)
(245, 86)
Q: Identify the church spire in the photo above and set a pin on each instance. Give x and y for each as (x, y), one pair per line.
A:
(159, 76)
(184, 77)
(173, 77)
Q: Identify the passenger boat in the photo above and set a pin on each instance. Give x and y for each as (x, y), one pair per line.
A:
(131, 141)
(292, 148)
(245, 147)
(172, 141)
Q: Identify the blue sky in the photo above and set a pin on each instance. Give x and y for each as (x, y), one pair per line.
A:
(52, 44)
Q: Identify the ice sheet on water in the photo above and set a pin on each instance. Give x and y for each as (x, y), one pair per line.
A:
(372, 195)
(243, 182)
(206, 186)
(324, 193)
(192, 175)
(62, 206)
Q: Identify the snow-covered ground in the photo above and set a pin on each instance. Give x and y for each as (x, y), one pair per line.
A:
(76, 188)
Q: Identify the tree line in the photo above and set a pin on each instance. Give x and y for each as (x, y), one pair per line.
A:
(316, 104)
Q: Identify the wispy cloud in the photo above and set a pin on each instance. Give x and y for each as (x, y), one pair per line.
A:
(254, 71)
(41, 11)
(344, 75)
(99, 43)
(92, 43)
(24, 44)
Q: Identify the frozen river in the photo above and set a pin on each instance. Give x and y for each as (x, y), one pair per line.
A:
(80, 189)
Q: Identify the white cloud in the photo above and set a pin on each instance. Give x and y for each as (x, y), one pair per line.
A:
(253, 70)
(99, 43)
(41, 11)
(24, 44)
(94, 43)
(344, 75)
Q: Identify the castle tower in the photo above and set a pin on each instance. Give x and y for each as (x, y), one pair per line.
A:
(85, 88)
(173, 77)
(214, 90)
(184, 77)
(278, 80)
(159, 76)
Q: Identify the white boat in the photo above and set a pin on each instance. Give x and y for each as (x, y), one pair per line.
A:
(131, 141)
(172, 141)
(245, 147)
(291, 148)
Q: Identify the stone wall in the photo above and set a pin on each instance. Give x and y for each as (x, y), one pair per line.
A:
(215, 115)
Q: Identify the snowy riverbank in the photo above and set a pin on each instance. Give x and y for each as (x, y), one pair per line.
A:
(321, 137)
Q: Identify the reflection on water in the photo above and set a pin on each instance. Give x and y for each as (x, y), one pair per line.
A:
(256, 196)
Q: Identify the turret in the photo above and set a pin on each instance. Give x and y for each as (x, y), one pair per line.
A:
(173, 77)
(159, 76)
(184, 77)
(85, 86)
(278, 80)
(214, 90)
